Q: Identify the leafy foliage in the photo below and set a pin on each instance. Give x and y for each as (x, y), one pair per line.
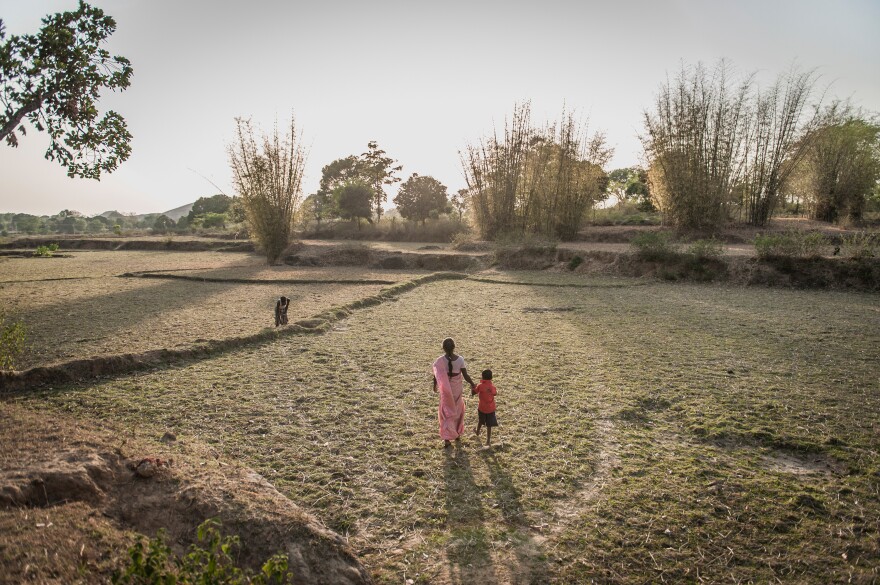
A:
(12, 342)
(791, 243)
(655, 245)
(152, 562)
(46, 251)
(353, 200)
(460, 202)
(842, 164)
(219, 203)
(862, 245)
(421, 197)
(163, 223)
(53, 79)
(379, 171)
(706, 249)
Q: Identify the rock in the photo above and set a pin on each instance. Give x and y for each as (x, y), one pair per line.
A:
(168, 437)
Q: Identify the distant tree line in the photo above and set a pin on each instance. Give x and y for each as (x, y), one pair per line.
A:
(214, 212)
(353, 188)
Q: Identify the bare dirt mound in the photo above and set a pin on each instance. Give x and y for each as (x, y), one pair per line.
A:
(130, 488)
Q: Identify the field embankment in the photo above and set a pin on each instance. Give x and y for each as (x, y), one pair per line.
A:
(82, 492)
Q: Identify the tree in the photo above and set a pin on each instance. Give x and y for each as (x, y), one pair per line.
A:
(219, 203)
(777, 143)
(341, 171)
(29, 224)
(162, 224)
(53, 80)
(696, 136)
(421, 197)
(268, 178)
(842, 164)
(629, 184)
(353, 201)
(535, 180)
(336, 174)
(214, 220)
(460, 202)
(379, 170)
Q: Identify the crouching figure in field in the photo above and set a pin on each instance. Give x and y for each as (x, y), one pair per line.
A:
(281, 311)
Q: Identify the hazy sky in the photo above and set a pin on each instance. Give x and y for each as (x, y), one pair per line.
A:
(422, 78)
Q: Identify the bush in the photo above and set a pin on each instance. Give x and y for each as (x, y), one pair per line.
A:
(655, 246)
(861, 245)
(46, 251)
(528, 243)
(706, 249)
(625, 213)
(12, 339)
(575, 262)
(152, 562)
(791, 243)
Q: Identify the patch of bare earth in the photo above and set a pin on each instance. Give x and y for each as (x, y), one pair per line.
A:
(82, 492)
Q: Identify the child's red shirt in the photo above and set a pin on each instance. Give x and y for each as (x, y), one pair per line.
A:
(487, 392)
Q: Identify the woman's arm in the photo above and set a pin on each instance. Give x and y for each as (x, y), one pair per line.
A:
(464, 375)
(435, 382)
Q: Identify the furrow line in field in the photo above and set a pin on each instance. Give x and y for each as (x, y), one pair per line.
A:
(558, 284)
(160, 275)
(114, 365)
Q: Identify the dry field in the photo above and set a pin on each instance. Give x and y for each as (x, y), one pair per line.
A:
(649, 431)
(93, 311)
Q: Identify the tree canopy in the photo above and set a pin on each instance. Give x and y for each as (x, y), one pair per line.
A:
(379, 170)
(53, 80)
(353, 200)
(421, 197)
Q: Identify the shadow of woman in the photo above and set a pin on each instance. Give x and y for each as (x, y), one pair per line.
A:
(469, 548)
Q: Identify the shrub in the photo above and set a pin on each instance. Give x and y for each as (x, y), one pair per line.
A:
(46, 251)
(152, 562)
(791, 243)
(12, 340)
(706, 249)
(655, 245)
(267, 173)
(528, 243)
(575, 262)
(861, 245)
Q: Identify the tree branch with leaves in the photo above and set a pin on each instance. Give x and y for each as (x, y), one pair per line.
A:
(53, 80)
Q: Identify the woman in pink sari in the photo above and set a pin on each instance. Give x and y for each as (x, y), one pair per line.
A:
(449, 369)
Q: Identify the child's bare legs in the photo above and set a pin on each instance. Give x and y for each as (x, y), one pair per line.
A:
(488, 434)
(477, 430)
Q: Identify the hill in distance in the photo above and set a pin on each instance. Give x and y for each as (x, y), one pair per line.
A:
(174, 214)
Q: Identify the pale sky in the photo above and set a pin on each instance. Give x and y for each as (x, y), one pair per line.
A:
(424, 79)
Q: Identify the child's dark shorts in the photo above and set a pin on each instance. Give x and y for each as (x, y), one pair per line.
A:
(487, 419)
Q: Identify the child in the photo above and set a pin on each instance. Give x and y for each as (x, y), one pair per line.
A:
(486, 410)
(281, 311)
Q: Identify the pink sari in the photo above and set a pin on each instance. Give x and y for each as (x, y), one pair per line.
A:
(451, 411)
